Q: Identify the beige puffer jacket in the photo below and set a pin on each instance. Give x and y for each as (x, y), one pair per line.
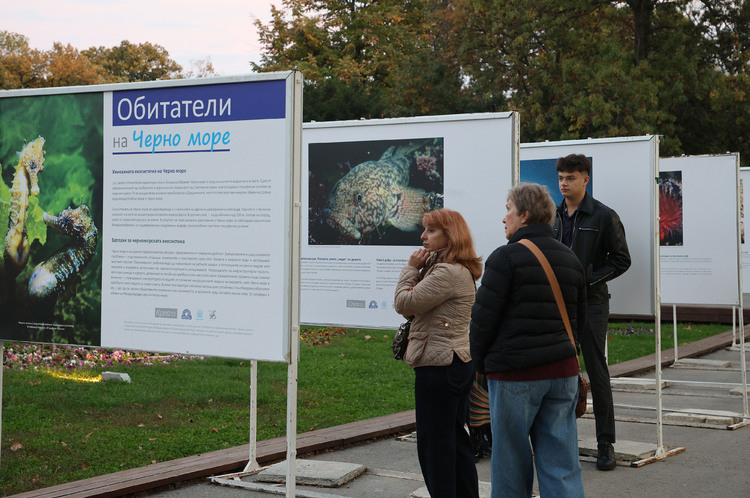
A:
(441, 303)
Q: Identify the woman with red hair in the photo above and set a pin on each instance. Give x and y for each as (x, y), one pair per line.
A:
(437, 288)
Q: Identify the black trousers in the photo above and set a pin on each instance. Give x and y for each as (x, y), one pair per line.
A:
(593, 345)
(443, 445)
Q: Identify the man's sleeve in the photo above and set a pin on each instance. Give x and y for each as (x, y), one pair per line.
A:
(618, 256)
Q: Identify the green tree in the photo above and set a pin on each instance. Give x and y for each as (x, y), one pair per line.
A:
(131, 62)
(565, 66)
(364, 58)
(577, 69)
(724, 122)
(581, 69)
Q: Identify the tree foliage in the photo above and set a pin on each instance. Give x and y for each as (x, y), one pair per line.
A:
(368, 58)
(64, 65)
(131, 62)
(20, 66)
(576, 69)
(200, 68)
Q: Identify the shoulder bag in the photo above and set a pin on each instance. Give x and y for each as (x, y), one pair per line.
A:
(401, 339)
(583, 385)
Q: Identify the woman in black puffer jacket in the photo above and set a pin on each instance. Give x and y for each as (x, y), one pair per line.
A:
(519, 341)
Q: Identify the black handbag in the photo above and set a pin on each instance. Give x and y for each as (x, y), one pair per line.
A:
(401, 339)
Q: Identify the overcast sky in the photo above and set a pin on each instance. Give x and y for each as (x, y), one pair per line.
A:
(188, 29)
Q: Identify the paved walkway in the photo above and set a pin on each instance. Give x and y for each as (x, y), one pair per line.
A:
(714, 461)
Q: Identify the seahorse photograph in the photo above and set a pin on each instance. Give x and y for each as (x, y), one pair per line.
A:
(373, 192)
(51, 153)
(670, 208)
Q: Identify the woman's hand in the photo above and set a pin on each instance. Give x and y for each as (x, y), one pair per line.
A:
(418, 258)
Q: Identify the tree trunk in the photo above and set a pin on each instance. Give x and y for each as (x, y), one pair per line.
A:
(643, 11)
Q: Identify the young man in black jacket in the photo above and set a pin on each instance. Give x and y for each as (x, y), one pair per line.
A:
(595, 234)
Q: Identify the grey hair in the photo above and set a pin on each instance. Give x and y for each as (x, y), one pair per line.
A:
(534, 199)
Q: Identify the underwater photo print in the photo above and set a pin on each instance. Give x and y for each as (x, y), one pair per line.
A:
(742, 212)
(373, 192)
(51, 208)
(670, 208)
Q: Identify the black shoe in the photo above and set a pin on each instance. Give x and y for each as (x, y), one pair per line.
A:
(606, 459)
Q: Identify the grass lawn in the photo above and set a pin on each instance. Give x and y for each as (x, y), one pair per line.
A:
(627, 341)
(61, 425)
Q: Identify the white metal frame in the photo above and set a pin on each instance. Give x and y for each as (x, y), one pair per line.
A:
(659, 403)
(252, 466)
(738, 307)
(660, 451)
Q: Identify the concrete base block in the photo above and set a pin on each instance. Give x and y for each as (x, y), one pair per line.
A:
(589, 408)
(626, 452)
(737, 347)
(699, 364)
(711, 417)
(636, 384)
(314, 473)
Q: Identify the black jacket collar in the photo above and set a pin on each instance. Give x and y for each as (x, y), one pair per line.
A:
(531, 231)
(586, 206)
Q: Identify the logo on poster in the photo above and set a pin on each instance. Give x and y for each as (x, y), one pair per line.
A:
(186, 314)
(165, 312)
(355, 303)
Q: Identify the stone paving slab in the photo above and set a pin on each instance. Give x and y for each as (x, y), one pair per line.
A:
(325, 474)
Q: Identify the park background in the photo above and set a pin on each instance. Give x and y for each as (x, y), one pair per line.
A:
(583, 69)
(578, 69)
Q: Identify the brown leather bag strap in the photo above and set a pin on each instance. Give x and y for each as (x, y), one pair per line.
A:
(555, 287)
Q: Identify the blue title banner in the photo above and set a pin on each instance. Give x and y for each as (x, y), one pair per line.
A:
(200, 104)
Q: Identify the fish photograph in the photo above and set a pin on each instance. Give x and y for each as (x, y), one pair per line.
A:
(51, 155)
(373, 192)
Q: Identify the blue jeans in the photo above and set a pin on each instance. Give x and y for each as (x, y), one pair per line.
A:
(538, 415)
(446, 456)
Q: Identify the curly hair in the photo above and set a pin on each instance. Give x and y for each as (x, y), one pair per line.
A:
(574, 162)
